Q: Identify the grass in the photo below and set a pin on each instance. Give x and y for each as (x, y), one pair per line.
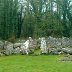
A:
(25, 63)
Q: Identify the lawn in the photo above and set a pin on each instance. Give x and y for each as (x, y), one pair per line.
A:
(25, 63)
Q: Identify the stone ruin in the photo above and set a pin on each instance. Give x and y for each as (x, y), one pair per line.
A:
(48, 45)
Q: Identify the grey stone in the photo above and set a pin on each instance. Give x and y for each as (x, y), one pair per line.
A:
(8, 47)
(66, 42)
(17, 45)
(32, 44)
(17, 50)
(66, 58)
(54, 42)
(25, 47)
(1, 44)
(1, 54)
(67, 50)
(43, 46)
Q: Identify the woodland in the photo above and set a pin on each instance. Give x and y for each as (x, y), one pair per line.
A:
(35, 18)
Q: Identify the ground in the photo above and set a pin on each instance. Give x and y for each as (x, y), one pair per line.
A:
(25, 63)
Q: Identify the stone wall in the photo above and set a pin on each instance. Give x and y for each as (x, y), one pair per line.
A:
(48, 45)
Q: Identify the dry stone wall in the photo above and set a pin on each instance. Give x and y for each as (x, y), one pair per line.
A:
(48, 45)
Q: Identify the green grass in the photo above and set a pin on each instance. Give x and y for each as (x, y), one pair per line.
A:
(24, 63)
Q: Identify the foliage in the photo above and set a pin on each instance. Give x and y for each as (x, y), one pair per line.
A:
(35, 18)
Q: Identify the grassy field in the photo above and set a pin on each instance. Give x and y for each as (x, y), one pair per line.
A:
(24, 63)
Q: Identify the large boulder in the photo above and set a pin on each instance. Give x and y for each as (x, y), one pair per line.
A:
(1, 45)
(25, 47)
(66, 58)
(58, 43)
(39, 42)
(66, 42)
(54, 51)
(43, 46)
(16, 45)
(67, 50)
(32, 44)
(17, 50)
(28, 46)
(8, 48)
(1, 54)
(35, 44)
(51, 42)
(54, 42)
